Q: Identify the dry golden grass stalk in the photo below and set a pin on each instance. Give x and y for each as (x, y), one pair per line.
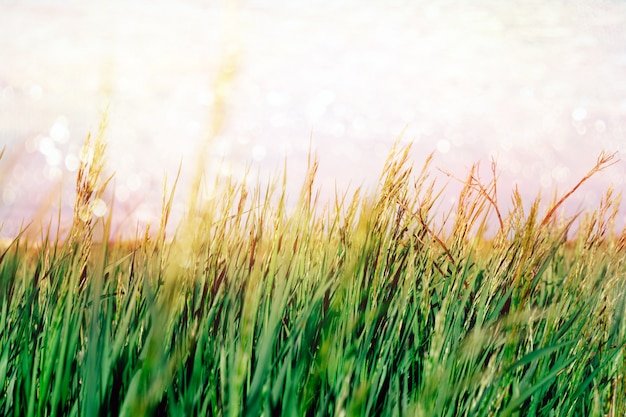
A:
(604, 161)
(89, 189)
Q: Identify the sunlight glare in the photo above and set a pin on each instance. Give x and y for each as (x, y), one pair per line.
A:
(99, 207)
(579, 114)
(59, 131)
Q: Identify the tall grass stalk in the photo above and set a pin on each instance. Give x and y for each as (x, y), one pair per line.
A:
(364, 306)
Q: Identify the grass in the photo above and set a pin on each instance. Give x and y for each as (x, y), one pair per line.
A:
(362, 307)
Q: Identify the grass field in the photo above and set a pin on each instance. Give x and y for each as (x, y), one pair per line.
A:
(363, 307)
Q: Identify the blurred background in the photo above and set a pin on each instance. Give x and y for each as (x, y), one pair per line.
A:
(538, 85)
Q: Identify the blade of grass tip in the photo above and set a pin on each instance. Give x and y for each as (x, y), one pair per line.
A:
(494, 164)
(536, 354)
(306, 193)
(14, 241)
(279, 383)
(51, 354)
(264, 359)
(4, 365)
(605, 361)
(556, 369)
(124, 325)
(168, 201)
(618, 315)
(96, 344)
(33, 386)
(223, 388)
(65, 336)
(549, 257)
(132, 405)
(580, 311)
(436, 238)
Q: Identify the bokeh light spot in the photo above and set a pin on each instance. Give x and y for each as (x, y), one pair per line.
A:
(19, 172)
(7, 94)
(35, 92)
(560, 173)
(579, 114)
(443, 146)
(122, 194)
(600, 126)
(54, 157)
(9, 195)
(59, 132)
(71, 162)
(222, 148)
(259, 152)
(275, 99)
(133, 182)
(318, 105)
(99, 207)
(52, 173)
(45, 145)
(279, 120)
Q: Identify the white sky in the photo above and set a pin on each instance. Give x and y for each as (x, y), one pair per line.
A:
(540, 85)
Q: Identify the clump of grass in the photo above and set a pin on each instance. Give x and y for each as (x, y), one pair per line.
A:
(364, 306)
